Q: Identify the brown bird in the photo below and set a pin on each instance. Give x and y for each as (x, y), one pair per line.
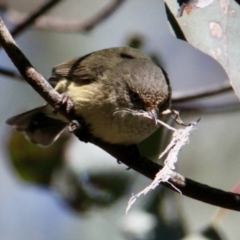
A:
(119, 92)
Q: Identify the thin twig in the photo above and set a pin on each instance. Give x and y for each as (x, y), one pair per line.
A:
(209, 108)
(102, 15)
(10, 73)
(210, 91)
(30, 19)
(58, 24)
(125, 154)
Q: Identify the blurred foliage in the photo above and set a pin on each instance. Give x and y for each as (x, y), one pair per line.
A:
(90, 189)
(47, 166)
(135, 41)
(170, 223)
(32, 162)
(211, 233)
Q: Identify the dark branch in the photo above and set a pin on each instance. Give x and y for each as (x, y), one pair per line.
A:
(57, 24)
(102, 15)
(210, 91)
(188, 187)
(30, 19)
(209, 108)
(10, 73)
(125, 154)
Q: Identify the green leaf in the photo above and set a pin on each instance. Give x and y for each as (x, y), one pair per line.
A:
(215, 30)
(32, 162)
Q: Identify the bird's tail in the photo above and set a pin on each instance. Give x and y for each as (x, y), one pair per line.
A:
(38, 125)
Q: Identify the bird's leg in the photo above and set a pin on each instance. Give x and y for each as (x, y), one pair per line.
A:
(73, 126)
(80, 128)
(76, 126)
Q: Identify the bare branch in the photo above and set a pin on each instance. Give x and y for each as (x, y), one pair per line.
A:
(129, 155)
(31, 18)
(58, 24)
(209, 108)
(210, 91)
(35, 79)
(187, 186)
(10, 73)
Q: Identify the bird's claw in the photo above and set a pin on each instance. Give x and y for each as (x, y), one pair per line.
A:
(80, 128)
(63, 103)
(177, 119)
(73, 126)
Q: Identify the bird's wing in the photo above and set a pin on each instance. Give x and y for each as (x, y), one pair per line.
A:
(90, 67)
(75, 69)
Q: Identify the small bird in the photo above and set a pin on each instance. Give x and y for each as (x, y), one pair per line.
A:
(119, 92)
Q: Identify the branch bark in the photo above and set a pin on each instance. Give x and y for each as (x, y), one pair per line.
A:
(58, 24)
(10, 73)
(126, 154)
(196, 94)
(32, 17)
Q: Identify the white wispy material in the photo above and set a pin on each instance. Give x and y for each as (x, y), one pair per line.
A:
(179, 139)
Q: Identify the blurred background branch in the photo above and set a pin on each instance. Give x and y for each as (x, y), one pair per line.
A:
(57, 24)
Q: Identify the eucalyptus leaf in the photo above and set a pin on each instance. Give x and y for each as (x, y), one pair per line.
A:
(215, 30)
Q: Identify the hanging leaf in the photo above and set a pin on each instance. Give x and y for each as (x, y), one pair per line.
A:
(214, 29)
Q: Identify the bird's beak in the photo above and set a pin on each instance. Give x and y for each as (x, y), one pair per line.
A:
(153, 113)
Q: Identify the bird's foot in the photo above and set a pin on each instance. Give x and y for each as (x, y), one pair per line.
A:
(80, 129)
(63, 103)
(74, 126)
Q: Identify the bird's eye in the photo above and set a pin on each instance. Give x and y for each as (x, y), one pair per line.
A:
(134, 96)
